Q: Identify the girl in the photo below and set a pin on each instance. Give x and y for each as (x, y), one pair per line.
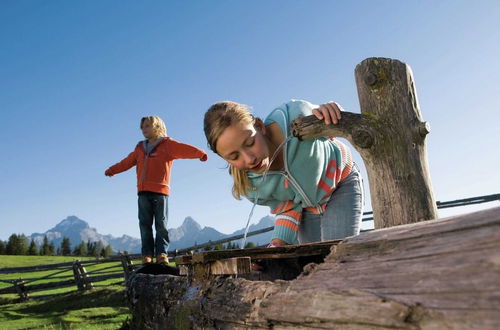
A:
(153, 158)
(312, 186)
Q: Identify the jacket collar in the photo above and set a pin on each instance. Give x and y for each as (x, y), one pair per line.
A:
(155, 144)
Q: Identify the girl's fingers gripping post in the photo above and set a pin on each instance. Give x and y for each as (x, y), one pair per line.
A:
(334, 109)
(329, 112)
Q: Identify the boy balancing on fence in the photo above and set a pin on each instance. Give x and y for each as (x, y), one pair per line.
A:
(153, 158)
(312, 186)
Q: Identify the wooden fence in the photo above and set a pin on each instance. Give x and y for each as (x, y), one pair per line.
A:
(67, 274)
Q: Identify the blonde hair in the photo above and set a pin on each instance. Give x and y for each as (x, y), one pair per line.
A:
(159, 129)
(218, 117)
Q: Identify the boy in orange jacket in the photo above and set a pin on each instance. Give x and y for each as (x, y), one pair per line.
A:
(153, 159)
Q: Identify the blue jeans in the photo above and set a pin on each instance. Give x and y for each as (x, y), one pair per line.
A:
(153, 205)
(343, 214)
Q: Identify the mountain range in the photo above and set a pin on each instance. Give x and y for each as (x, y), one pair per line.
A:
(188, 234)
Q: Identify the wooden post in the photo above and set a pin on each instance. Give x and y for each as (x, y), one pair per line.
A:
(85, 278)
(127, 265)
(390, 136)
(81, 277)
(77, 275)
(21, 289)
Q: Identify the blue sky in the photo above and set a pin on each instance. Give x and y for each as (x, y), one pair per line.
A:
(76, 77)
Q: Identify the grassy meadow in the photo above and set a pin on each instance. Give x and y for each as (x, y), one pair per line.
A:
(100, 308)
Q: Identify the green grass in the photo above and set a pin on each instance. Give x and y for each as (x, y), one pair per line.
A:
(100, 308)
(7, 261)
(21, 261)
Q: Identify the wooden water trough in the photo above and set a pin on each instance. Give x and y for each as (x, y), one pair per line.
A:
(412, 272)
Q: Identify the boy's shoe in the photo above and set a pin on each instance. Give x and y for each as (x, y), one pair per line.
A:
(147, 259)
(162, 259)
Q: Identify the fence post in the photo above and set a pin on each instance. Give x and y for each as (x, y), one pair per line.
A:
(81, 277)
(85, 278)
(77, 275)
(127, 264)
(21, 289)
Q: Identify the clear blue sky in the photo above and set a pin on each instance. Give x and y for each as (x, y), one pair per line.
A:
(76, 77)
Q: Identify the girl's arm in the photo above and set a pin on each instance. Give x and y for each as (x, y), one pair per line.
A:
(287, 221)
(123, 165)
(178, 150)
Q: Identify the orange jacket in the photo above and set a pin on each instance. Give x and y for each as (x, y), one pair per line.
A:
(153, 169)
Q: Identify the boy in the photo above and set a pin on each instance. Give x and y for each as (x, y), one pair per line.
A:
(153, 158)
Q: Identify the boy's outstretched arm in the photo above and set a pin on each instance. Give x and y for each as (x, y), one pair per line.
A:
(123, 165)
(179, 150)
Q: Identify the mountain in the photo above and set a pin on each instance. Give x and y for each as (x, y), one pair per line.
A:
(188, 234)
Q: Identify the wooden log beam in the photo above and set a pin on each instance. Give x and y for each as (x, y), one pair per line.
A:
(390, 136)
(440, 274)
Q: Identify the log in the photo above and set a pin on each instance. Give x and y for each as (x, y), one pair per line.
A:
(438, 274)
(390, 136)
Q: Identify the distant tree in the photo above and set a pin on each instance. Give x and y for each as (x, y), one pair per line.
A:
(208, 247)
(48, 248)
(45, 249)
(90, 248)
(11, 246)
(17, 245)
(2, 247)
(232, 246)
(249, 245)
(52, 249)
(107, 251)
(218, 247)
(33, 249)
(96, 249)
(65, 247)
(80, 250)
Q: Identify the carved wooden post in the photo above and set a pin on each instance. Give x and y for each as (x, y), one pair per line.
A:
(390, 136)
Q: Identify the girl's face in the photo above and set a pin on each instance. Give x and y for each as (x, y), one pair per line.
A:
(147, 129)
(245, 147)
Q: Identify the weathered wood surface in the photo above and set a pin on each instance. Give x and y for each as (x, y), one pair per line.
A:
(288, 251)
(440, 274)
(287, 261)
(390, 136)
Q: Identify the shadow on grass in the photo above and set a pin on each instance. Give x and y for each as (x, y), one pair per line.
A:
(100, 308)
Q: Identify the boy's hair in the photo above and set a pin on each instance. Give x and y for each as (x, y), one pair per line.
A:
(218, 117)
(159, 129)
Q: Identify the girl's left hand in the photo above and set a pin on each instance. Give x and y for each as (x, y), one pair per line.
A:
(329, 112)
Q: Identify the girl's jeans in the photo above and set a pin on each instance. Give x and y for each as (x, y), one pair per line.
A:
(343, 213)
(153, 205)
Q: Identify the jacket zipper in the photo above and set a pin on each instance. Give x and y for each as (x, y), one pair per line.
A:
(144, 169)
(297, 186)
(146, 163)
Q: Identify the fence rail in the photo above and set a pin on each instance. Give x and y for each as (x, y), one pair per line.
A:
(81, 278)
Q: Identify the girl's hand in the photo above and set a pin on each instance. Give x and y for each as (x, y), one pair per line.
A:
(329, 112)
(276, 242)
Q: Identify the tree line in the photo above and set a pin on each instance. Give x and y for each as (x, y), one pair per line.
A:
(20, 245)
(228, 246)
